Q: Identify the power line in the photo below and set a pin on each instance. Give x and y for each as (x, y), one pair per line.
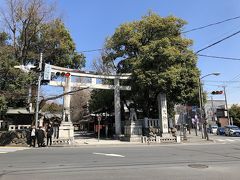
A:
(219, 57)
(212, 24)
(211, 85)
(92, 50)
(217, 42)
(221, 81)
(236, 77)
(213, 44)
(194, 29)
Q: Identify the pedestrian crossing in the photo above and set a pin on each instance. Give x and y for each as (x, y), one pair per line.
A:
(4, 150)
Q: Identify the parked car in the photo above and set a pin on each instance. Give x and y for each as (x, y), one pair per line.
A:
(232, 130)
(220, 131)
(213, 129)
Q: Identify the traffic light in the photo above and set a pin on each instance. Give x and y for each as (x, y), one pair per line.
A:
(216, 92)
(66, 74)
(56, 74)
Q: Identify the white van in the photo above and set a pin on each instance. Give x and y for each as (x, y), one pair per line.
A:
(213, 129)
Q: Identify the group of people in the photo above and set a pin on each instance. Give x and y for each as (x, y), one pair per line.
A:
(39, 135)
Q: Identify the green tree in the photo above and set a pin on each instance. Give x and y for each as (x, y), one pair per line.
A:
(31, 30)
(13, 83)
(102, 101)
(52, 108)
(58, 46)
(159, 58)
(234, 112)
(3, 106)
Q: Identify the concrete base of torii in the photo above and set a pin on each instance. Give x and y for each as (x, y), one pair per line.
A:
(133, 131)
(66, 131)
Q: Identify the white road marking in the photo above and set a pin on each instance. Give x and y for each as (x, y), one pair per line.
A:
(227, 140)
(222, 140)
(4, 150)
(105, 154)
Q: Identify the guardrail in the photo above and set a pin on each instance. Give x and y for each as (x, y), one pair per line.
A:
(159, 139)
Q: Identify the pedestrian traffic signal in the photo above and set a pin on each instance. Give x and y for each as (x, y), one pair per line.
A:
(216, 92)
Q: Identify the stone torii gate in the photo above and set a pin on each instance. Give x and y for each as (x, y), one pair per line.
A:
(66, 127)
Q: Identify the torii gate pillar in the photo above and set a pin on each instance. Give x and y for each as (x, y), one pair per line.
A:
(66, 129)
(117, 107)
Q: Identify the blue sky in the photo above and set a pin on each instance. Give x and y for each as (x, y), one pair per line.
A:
(91, 21)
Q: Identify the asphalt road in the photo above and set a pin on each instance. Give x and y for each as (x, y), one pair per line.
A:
(181, 162)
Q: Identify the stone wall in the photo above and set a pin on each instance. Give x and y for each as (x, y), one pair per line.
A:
(13, 138)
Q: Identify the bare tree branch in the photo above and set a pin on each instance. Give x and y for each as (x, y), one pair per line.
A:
(43, 101)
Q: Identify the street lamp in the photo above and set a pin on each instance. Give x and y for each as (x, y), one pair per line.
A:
(204, 125)
(215, 74)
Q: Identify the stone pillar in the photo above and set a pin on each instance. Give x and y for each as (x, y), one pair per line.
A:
(66, 129)
(66, 100)
(117, 107)
(133, 131)
(162, 109)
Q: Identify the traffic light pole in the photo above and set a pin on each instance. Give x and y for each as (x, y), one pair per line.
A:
(38, 90)
(203, 114)
(201, 104)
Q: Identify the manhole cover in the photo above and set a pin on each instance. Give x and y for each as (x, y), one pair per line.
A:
(199, 166)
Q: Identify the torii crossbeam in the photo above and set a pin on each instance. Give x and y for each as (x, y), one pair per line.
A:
(68, 84)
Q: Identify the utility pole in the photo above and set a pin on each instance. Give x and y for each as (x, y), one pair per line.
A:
(200, 105)
(38, 90)
(99, 119)
(213, 116)
(226, 105)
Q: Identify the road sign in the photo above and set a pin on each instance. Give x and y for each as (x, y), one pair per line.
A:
(47, 72)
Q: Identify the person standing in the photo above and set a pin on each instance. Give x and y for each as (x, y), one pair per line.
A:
(28, 136)
(49, 134)
(40, 137)
(55, 129)
(33, 136)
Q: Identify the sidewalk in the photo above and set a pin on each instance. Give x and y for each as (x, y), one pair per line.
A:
(94, 141)
(191, 139)
(87, 141)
